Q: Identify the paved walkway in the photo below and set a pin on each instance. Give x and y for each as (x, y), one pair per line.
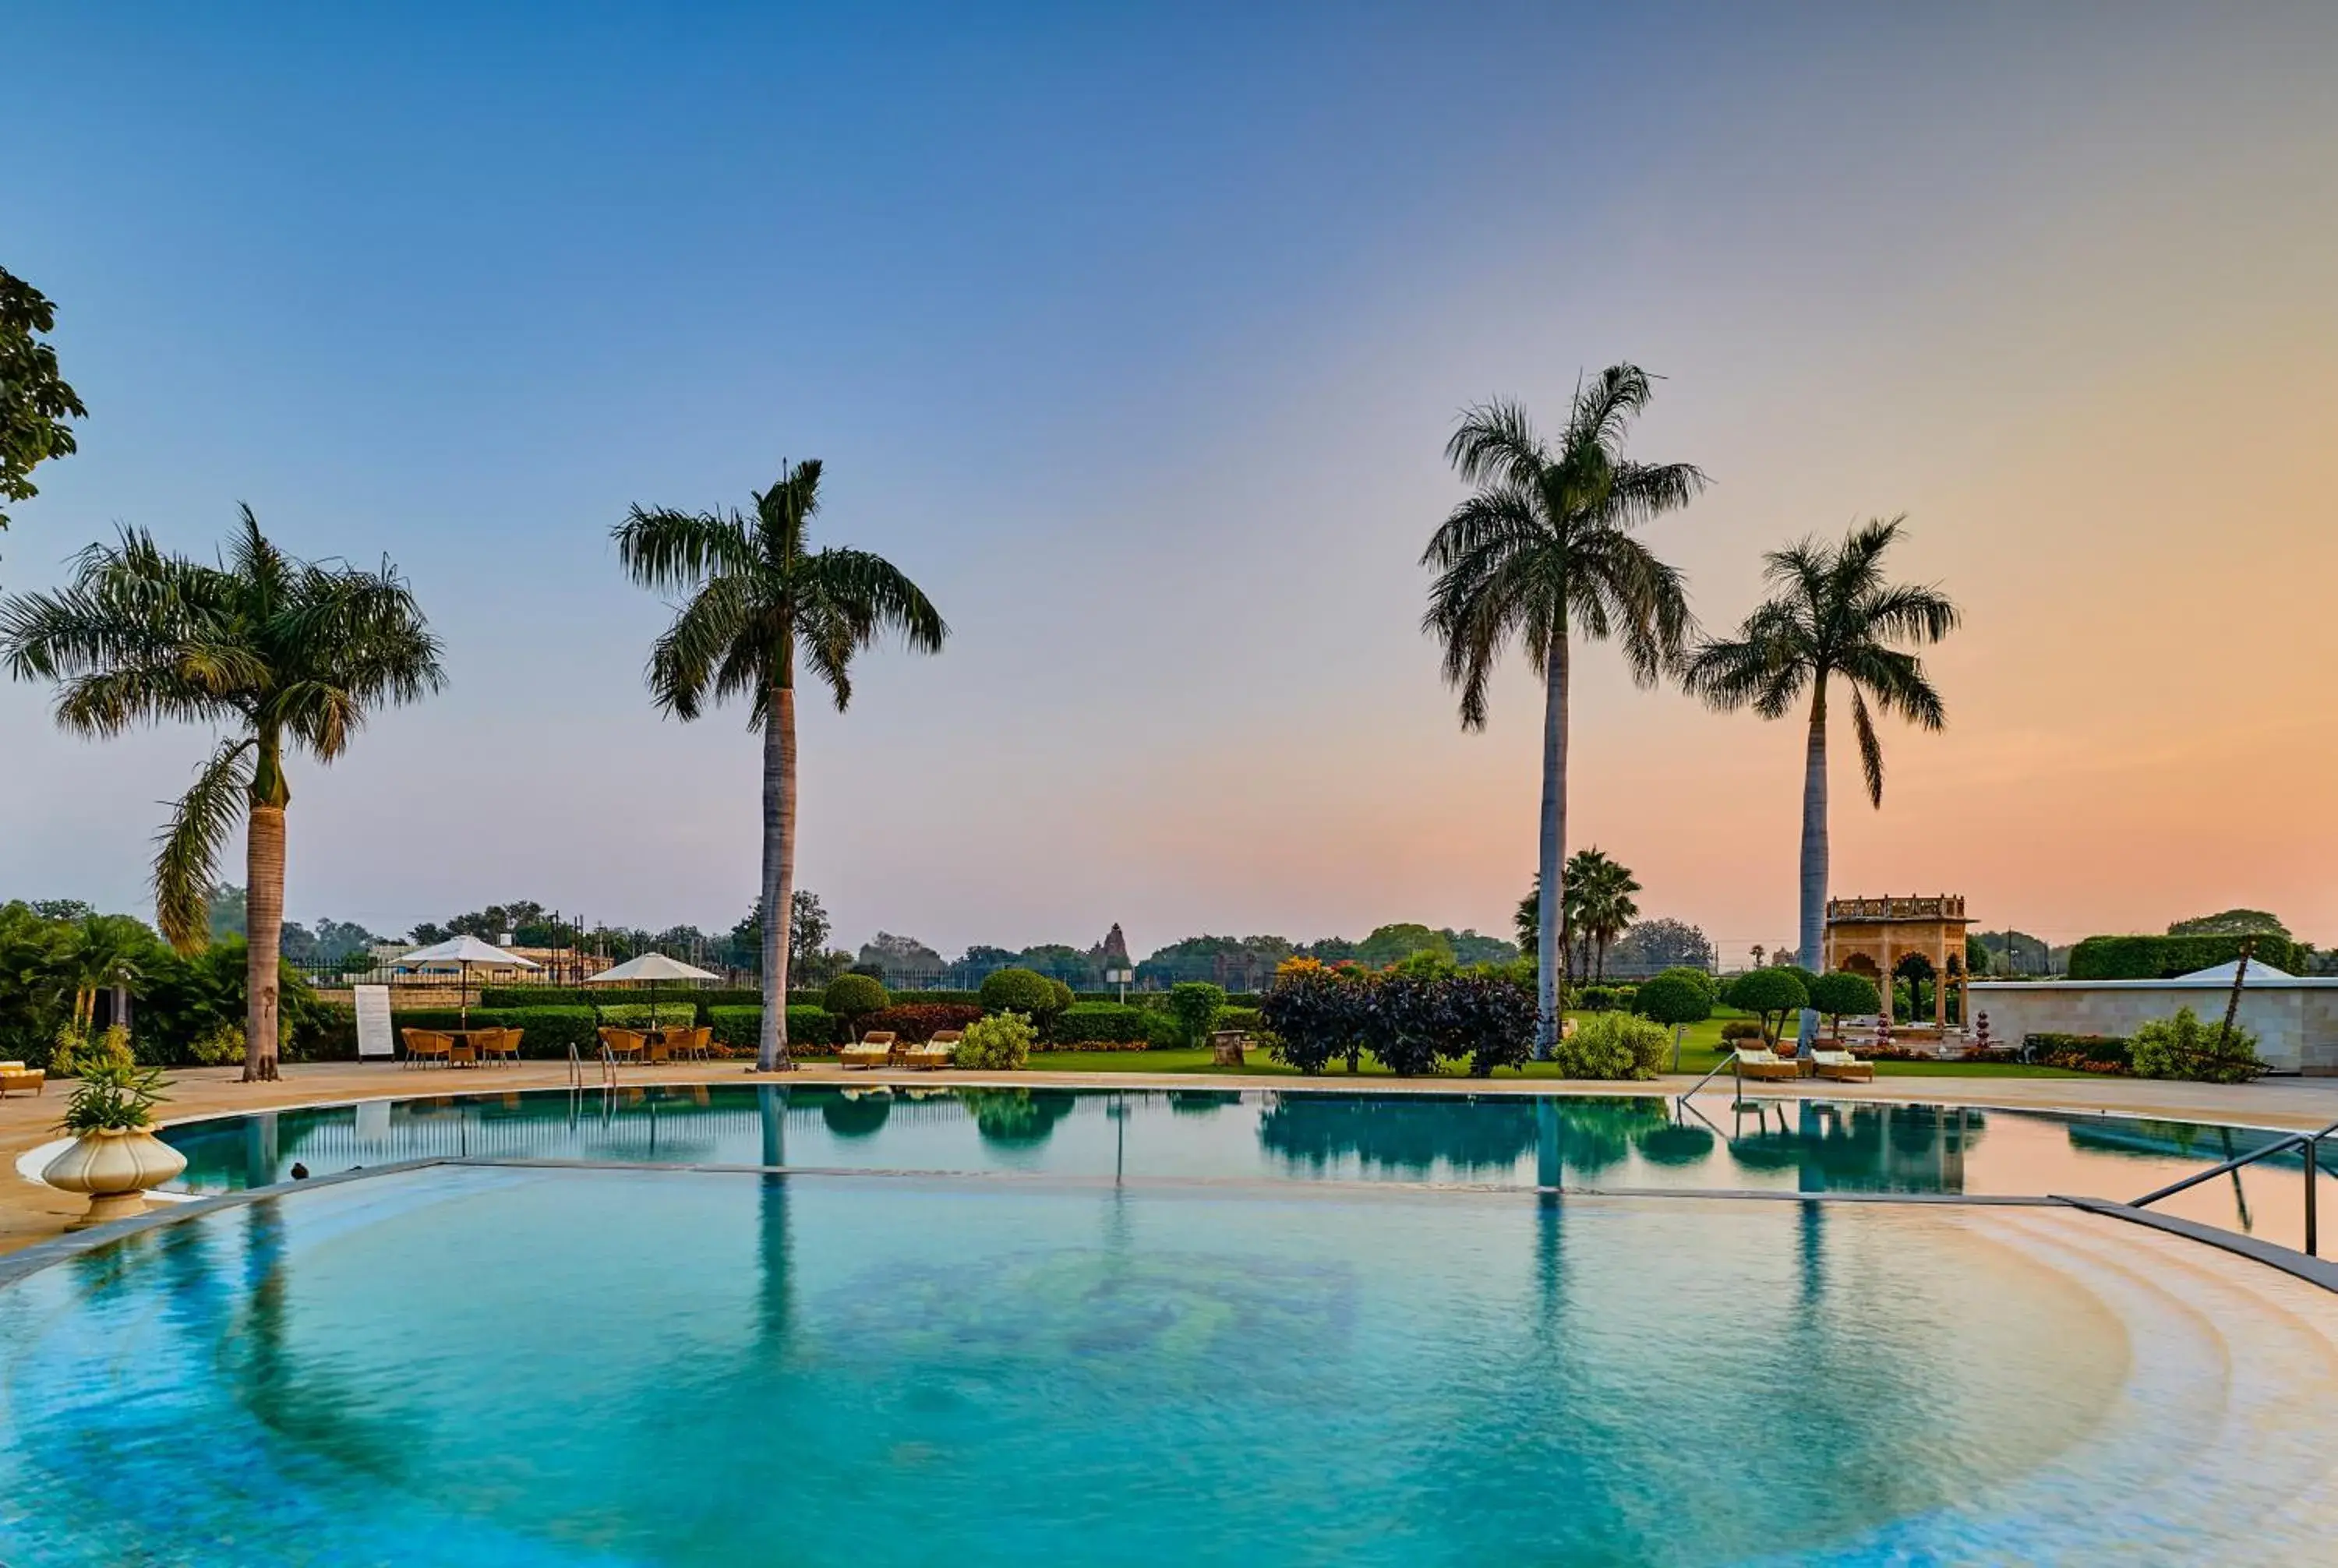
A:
(30, 1212)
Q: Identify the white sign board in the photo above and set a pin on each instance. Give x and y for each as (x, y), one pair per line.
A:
(373, 1022)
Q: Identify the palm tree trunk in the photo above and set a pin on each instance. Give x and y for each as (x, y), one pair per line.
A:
(264, 936)
(1550, 948)
(1812, 934)
(779, 874)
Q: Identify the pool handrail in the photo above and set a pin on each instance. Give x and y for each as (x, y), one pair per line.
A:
(2309, 1142)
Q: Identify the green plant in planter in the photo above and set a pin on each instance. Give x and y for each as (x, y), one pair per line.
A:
(114, 1097)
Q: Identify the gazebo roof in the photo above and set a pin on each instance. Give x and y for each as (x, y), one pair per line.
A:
(2222, 972)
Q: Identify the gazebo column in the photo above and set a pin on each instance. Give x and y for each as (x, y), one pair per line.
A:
(1940, 985)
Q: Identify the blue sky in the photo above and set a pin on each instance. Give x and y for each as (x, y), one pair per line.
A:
(1134, 336)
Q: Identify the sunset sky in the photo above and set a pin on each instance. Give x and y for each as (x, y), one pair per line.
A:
(1134, 335)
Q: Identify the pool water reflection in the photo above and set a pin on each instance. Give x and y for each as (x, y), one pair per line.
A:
(1614, 1142)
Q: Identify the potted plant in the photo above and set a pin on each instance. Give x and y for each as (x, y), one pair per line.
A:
(113, 1158)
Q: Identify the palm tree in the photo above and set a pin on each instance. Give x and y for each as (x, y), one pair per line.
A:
(102, 952)
(1605, 908)
(1595, 901)
(757, 597)
(1544, 550)
(1832, 614)
(286, 656)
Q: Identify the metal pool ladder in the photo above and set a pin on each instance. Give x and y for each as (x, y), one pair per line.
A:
(577, 1068)
(2309, 1142)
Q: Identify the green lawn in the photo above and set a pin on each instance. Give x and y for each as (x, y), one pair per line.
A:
(1700, 1052)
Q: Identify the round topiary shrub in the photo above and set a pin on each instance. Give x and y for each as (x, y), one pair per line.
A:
(1013, 990)
(1843, 991)
(1767, 994)
(854, 996)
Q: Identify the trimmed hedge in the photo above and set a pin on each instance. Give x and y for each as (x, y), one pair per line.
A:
(1101, 1023)
(742, 1028)
(2166, 957)
(616, 996)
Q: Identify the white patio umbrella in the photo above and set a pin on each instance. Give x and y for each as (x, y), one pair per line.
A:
(465, 951)
(654, 967)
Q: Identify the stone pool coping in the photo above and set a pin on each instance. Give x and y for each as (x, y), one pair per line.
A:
(33, 1213)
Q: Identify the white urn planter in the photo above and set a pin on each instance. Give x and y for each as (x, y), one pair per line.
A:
(115, 1166)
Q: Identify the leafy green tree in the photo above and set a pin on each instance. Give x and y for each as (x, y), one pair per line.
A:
(1195, 1004)
(286, 656)
(1675, 1000)
(1842, 993)
(1769, 995)
(1542, 552)
(1835, 615)
(2231, 922)
(34, 400)
(1662, 942)
(1391, 944)
(758, 597)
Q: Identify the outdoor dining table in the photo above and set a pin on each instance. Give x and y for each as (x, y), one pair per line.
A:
(465, 1051)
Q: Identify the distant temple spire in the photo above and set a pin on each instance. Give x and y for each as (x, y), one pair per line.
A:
(1116, 949)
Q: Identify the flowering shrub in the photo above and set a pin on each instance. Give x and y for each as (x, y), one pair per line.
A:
(997, 1042)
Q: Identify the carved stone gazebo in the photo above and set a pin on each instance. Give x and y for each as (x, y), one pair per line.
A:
(1869, 936)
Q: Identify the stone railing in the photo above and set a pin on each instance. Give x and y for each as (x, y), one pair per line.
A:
(1939, 906)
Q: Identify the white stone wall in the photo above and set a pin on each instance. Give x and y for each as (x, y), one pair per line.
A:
(2296, 1021)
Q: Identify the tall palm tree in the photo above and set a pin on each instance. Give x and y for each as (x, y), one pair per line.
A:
(1542, 550)
(757, 597)
(1833, 615)
(286, 656)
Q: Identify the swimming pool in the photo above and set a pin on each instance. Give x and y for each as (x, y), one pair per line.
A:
(1504, 1140)
(1134, 1330)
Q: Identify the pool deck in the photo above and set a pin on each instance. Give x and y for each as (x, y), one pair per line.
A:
(30, 1212)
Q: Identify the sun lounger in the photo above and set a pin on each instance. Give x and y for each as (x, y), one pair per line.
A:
(940, 1050)
(1843, 1067)
(16, 1078)
(875, 1050)
(1754, 1064)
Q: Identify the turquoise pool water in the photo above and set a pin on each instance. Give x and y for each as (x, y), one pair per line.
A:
(1806, 1146)
(1149, 1328)
(509, 1366)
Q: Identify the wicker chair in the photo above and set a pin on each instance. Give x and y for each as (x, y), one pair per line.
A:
(425, 1045)
(624, 1045)
(501, 1046)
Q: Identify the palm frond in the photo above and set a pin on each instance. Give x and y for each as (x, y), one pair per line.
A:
(186, 858)
(1495, 443)
(1871, 749)
(711, 648)
(783, 514)
(668, 551)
